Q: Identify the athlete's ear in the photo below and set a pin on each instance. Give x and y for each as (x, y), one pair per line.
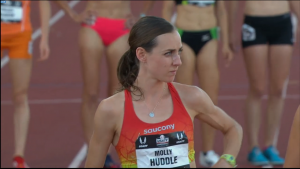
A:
(141, 54)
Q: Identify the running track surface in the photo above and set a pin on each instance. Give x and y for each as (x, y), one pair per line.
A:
(55, 134)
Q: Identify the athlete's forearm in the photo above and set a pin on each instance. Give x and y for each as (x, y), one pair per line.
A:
(65, 6)
(45, 13)
(295, 8)
(233, 137)
(223, 22)
(233, 140)
(232, 15)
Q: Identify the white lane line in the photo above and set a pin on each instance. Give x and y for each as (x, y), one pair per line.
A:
(79, 157)
(38, 32)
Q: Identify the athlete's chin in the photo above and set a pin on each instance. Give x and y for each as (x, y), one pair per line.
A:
(170, 79)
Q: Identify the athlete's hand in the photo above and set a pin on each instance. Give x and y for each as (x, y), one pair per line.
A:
(88, 17)
(130, 21)
(44, 50)
(227, 54)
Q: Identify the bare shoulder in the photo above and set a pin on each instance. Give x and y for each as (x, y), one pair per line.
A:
(111, 107)
(191, 95)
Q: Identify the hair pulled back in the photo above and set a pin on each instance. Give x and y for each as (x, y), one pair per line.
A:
(143, 34)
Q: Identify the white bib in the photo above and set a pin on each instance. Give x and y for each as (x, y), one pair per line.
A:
(11, 11)
(163, 151)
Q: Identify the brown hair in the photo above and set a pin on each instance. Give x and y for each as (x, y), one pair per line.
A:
(143, 34)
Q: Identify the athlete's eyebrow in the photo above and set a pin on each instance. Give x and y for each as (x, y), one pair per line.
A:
(180, 49)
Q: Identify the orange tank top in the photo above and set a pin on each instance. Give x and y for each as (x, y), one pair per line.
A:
(15, 17)
(167, 144)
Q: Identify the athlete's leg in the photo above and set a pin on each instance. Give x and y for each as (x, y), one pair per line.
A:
(209, 78)
(91, 50)
(114, 52)
(279, 61)
(256, 58)
(20, 73)
(208, 73)
(185, 72)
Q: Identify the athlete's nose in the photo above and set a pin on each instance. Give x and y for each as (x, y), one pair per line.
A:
(177, 60)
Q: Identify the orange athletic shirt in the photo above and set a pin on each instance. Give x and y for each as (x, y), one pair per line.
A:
(167, 144)
(15, 17)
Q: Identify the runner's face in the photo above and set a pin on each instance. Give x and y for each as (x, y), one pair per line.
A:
(164, 59)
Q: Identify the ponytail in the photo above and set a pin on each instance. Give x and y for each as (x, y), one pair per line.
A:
(128, 70)
(143, 34)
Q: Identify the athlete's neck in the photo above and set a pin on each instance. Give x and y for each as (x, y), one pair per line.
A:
(152, 89)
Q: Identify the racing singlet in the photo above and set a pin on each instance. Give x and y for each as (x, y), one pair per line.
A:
(15, 17)
(168, 144)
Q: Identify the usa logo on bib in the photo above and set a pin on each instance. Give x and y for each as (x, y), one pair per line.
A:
(11, 12)
(162, 151)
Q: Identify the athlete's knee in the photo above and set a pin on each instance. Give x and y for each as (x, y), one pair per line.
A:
(91, 97)
(278, 91)
(257, 91)
(20, 98)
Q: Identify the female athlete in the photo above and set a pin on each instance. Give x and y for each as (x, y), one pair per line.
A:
(16, 31)
(267, 41)
(150, 121)
(105, 27)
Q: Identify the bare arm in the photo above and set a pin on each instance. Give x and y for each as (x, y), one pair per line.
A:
(222, 21)
(87, 16)
(167, 10)
(293, 150)
(217, 118)
(65, 6)
(234, 42)
(233, 15)
(295, 8)
(45, 14)
(104, 129)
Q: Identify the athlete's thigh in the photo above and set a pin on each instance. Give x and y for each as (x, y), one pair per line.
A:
(20, 54)
(280, 53)
(20, 70)
(114, 53)
(279, 61)
(91, 50)
(207, 68)
(256, 62)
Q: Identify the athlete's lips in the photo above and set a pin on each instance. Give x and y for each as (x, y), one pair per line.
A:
(173, 72)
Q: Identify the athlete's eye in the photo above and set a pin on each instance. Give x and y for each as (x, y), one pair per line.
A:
(180, 51)
(168, 53)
